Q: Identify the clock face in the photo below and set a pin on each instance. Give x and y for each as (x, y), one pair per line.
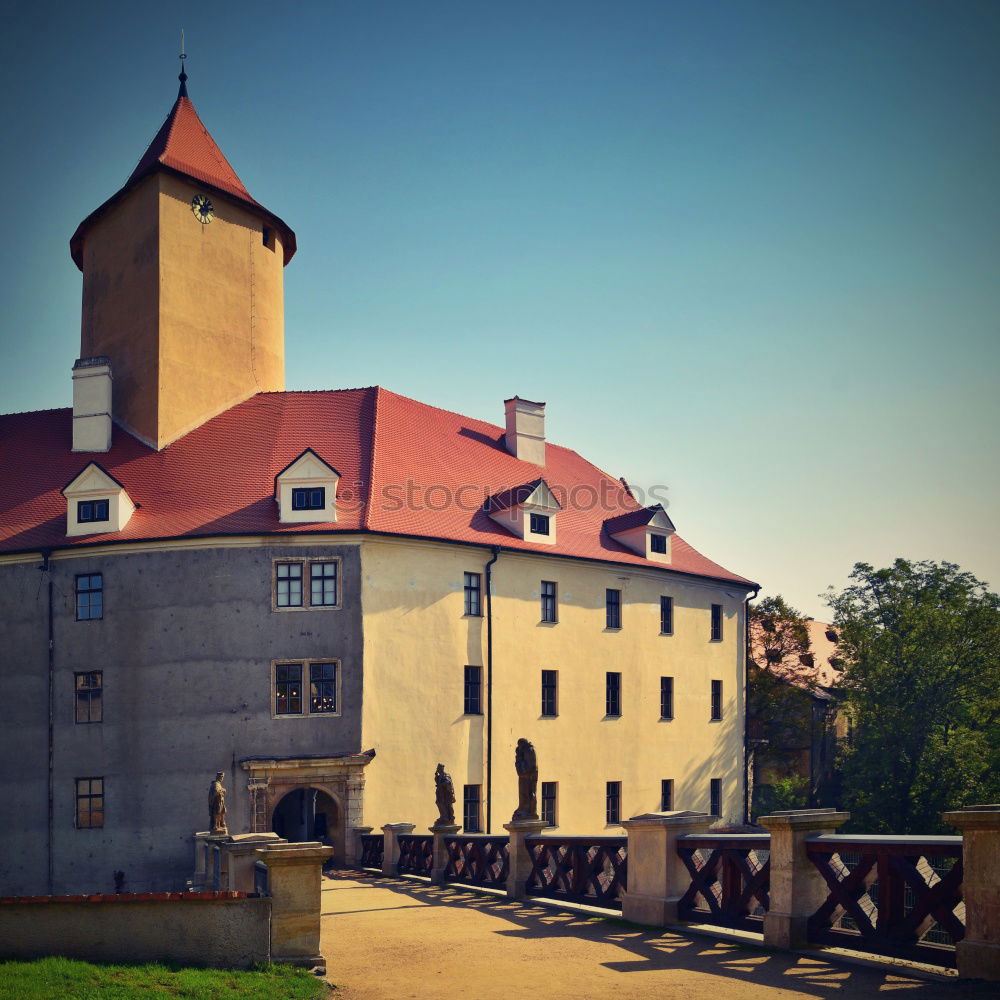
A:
(202, 209)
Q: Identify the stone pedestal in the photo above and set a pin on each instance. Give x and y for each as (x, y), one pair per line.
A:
(294, 875)
(205, 858)
(657, 878)
(978, 953)
(355, 846)
(520, 857)
(390, 851)
(440, 864)
(239, 857)
(797, 888)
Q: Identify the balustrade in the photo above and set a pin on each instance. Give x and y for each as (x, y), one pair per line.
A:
(416, 854)
(730, 879)
(478, 859)
(579, 869)
(372, 847)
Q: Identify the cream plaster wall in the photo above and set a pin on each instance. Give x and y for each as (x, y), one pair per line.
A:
(417, 642)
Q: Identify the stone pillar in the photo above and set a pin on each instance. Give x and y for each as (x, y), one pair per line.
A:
(241, 855)
(204, 858)
(978, 953)
(520, 857)
(355, 834)
(440, 864)
(294, 877)
(657, 878)
(797, 888)
(390, 852)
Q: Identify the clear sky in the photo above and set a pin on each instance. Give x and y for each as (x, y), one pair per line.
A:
(745, 250)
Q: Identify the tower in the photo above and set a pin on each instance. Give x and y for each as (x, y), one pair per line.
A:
(183, 285)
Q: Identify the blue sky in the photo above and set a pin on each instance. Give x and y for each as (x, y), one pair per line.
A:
(745, 250)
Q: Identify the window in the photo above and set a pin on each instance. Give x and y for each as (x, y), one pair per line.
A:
(472, 808)
(89, 803)
(303, 584)
(715, 796)
(658, 543)
(666, 616)
(612, 693)
(539, 524)
(89, 597)
(473, 690)
(667, 795)
(322, 584)
(267, 236)
(89, 700)
(548, 601)
(91, 510)
(666, 697)
(549, 792)
(613, 608)
(613, 802)
(474, 594)
(716, 623)
(550, 689)
(308, 497)
(289, 681)
(716, 701)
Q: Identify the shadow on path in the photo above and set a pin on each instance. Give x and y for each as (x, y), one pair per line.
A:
(741, 970)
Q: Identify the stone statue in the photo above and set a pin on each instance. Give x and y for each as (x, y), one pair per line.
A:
(445, 797)
(217, 805)
(527, 781)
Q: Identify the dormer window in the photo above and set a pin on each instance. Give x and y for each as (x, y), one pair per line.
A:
(92, 510)
(96, 503)
(539, 524)
(646, 531)
(658, 544)
(304, 498)
(528, 511)
(306, 490)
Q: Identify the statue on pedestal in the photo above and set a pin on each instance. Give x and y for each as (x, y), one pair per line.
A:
(217, 805)
(444, 796)
(527, 781)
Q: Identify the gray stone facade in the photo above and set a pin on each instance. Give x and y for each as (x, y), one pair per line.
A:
(186, 645)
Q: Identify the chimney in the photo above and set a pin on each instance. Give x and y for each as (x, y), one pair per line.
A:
(525, 438)
(92, 404)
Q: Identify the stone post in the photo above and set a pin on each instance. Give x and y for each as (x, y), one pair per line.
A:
(390, 852)
(241, 856)
(978, 953)
(520, 857)
(358, 832)
(440, 865)
(204, 860)
(657, 878)
(797, 888)
(294, 877)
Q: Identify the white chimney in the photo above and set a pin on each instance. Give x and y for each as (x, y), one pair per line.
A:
(92, 404)
(525, 438)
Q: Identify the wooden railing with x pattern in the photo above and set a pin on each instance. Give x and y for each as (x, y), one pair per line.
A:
(590, 870)
(898, 896)
(478, 859)
(730, 879)
(416, 854)
(372, 847)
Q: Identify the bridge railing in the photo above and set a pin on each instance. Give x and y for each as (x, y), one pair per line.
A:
(730, 879)
(478, 859)
(591, 870)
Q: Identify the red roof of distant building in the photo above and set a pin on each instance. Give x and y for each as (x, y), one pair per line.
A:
(183, 145)
(406, 468)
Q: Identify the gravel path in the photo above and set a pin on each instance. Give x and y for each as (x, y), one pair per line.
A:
(391, 939)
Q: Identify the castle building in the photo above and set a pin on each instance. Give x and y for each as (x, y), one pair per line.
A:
(323, 594)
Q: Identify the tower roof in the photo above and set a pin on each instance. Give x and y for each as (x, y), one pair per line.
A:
(183, 146)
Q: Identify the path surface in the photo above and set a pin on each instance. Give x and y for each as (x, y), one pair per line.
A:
(392, 939)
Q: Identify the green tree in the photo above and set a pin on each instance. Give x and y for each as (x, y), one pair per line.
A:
(921, 645)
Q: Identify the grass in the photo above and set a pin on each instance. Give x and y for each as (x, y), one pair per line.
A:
(67, 979)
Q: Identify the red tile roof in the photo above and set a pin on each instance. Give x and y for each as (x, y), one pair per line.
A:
(406, 469)
(184, 146)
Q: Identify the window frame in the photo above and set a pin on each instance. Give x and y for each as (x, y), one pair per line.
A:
(715, 797)
(78, 593)
(309, 494)
(88, 796)
(613, 694)
(716, 629)
(472, 798)
(666, 795)
(550, 694)
(666, 698)
(539, 524)
(305, 683)
(657, 539)
(715, 707)
(666, 614)
(306, 582)
(612, 803)
(89, 700)
(612, 609)
(549, 800)
(100, 511)
(473, 690)
(549, 602)
(473, 589)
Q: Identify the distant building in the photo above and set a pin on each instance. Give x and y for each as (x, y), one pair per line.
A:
(323, 594)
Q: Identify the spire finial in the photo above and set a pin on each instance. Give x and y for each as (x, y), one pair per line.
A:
(183, 92)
